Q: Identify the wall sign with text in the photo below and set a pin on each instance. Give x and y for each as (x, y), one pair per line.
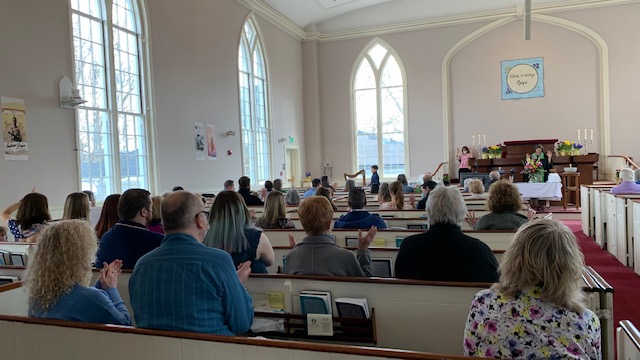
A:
(522, 79)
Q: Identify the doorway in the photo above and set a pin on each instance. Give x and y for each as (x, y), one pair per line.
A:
(292, 165)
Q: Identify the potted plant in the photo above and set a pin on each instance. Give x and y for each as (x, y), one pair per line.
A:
(534, 170)
(565, 148)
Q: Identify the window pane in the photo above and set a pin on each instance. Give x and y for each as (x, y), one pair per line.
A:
(392, 108)
(366, 112)
(133, 151)
(391, 74)
(377, 54)
(393, 154)
(367, 145)
(123, 15)
(94, 152)
(365, 78)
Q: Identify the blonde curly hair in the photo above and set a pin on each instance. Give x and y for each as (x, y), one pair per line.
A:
(61, 260)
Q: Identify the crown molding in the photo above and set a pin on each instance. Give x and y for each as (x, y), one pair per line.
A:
(282, 22)
(275, 18)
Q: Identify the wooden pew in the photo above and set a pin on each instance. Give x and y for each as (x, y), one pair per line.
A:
(636, 236)
(600, 216)
(628, 341)
(604, 310)
(403, 307)
(623, 228)
(73, 340)
(19, 248)
(587, 209)
(496, 239)
(376, 253)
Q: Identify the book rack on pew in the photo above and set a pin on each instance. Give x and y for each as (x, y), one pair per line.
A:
(349, 330)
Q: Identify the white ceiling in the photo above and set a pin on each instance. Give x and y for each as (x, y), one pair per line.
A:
(329, 16)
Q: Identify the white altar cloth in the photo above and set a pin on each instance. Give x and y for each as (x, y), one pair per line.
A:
(542, 191)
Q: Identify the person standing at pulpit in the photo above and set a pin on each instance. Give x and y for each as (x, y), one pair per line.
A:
(463, 157)
(545, 159)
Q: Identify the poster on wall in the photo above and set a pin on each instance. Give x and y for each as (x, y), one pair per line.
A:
(14, 125)
(199, 140)
(523, 78)
(211, 142)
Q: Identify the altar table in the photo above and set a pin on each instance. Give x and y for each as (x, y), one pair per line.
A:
(543, 191)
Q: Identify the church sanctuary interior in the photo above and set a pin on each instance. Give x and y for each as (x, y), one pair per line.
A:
(111, 95)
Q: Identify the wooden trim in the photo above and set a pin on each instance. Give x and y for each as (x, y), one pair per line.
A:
(373, 280)
(632, 332)
(394, 230)
(13, 285)
(13, 267)
(599, 279)
(284, 344)
(16, 243)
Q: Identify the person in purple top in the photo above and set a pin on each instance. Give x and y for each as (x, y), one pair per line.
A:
(628, 185)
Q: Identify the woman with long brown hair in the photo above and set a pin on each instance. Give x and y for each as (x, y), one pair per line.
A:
(397, 199)
(76, 206)
(33, 215)
(109, 215)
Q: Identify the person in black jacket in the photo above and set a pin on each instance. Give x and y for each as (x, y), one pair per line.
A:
(444, 252)
(245, 191)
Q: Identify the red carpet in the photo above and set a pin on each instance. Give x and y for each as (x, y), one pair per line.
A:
(625, 283)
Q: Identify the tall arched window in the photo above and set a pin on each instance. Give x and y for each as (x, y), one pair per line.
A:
(113, 123)
(254, 105)
(379, 112)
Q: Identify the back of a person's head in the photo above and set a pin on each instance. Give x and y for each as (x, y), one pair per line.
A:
(349, 184)
(395, 189)
(427, 177)
(316, 182)
(228, 184)
(466, 183)
(504, 197)
(323, 191)
(76, 206)
(177, 188)
(476, 186)
(228, 219)
(109, 215)
(357, 199)
(403, 179)
(384, 192)
(277, 184)
(274, 207)
(627, 175)
(637, 174)
(315, 214)
(268, 185)
(132, 201)
(445, 206)
(544, 253)
(156, 204)
(494, 175)
(324, 178)
(34, 209)
(3, 231)
(61, 260)
(429, 185)
(90, 194)
(293, 198)
(244, 182)
(178, 209)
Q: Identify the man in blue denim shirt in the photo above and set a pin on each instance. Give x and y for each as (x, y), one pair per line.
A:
(186, 286)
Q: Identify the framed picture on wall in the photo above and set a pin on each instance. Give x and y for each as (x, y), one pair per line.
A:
(522, 79)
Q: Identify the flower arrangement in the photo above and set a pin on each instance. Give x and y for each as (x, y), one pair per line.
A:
(445, 178)
(308, 175)
(534, 169)
(496, 151)
(565, 147)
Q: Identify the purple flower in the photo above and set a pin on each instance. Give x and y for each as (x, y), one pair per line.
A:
(469, 345)
(536, 312)
(574, 349)
(491, 327)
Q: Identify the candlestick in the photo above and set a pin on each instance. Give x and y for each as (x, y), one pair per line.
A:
(485, 140)
(474, 140)
(585, 134)
(591, 134)
(578, 135)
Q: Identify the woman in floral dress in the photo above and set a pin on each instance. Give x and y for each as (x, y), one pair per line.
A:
(537, 310)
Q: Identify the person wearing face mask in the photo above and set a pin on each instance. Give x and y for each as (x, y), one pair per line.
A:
(463, 157)
(544, 158)
(129, 239)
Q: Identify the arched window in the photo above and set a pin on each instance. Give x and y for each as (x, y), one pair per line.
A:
(113, 123)
(254, 105)
(379, 112)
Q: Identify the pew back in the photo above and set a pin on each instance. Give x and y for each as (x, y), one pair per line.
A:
(628, 341)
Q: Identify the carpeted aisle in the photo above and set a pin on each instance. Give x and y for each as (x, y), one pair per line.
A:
(625, 283)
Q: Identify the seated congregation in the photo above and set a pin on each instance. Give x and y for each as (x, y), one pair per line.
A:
(191, 277)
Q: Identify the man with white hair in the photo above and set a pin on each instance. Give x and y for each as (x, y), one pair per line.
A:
(494, 176)
(628, 185)
(444, 253)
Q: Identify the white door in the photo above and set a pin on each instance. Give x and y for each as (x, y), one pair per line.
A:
(292, 166)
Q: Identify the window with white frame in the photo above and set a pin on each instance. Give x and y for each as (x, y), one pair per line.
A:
(113, 124)
(254, 105)
(379, 112)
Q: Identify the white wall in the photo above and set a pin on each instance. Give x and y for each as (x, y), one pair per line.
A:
(571, 90)
(194, 50)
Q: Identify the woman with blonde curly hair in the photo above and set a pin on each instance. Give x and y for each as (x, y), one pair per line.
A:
(538, 307)
(58, 278)
(504, 203)
(275, 213)
(76, 206)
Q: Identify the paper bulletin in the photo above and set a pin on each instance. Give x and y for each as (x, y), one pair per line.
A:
(14, 125)
(199, 141)
(212, 154)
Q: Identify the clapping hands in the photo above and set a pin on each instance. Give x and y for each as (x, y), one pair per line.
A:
(109, 274)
